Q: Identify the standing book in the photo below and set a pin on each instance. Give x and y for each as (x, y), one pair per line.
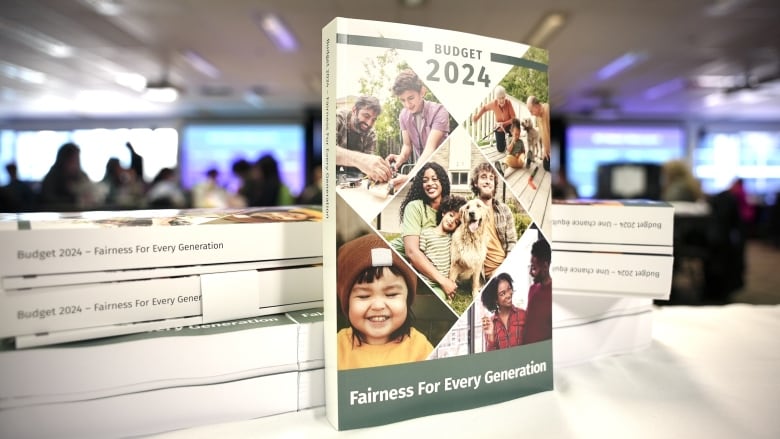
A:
(436, 216)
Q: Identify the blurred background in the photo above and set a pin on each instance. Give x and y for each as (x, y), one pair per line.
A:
(180, 103)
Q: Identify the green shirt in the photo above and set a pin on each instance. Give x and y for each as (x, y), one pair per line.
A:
(417, 216)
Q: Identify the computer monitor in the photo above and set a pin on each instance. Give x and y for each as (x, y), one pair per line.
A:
(629, 180)
(590, 145)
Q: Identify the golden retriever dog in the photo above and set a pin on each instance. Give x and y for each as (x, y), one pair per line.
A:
(469, 243)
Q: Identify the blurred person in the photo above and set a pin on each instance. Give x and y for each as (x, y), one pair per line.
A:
(66, 186)
(251, 185)
(678, 182)
(165, 192)
(121, 186)
(312, 193)
(209, 193)
(136, 163)
(274, 191)
(562, 189)
(746, 210)
(19, 196)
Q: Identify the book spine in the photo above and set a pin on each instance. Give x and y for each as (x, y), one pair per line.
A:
(614, 274)
(329, 207)
(614, 248)
(613, 224)
(38, 252)
(214, 297)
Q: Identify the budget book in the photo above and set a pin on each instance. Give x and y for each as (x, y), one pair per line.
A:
(436, 221)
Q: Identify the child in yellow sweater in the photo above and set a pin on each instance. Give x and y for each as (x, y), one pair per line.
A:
(376, 289)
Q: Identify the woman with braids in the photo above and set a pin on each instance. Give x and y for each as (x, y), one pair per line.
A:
(418, 211)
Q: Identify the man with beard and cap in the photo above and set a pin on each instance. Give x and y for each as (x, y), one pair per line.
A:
(356, 141)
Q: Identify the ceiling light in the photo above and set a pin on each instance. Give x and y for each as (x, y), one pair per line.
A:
(720, 8)
(163, 92)
(254, 99)
(200, 64)
(620, 64)
(714, 100)
(133, 81)
(109, 8)
(716, 81)
(278, 32)
(545, 29)
(36, 40)
(13, 71)
(665, 88)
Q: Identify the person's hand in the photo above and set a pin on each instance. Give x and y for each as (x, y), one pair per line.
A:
(398, 181)
(394, 158)
(375, 168)
(449, 287)
(487, 325)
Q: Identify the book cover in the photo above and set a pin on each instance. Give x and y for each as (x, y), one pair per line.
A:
(81, 275)
(643, 222)
(436, 215)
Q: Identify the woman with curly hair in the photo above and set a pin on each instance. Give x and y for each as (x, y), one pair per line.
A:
(418, 211)
(504, 329)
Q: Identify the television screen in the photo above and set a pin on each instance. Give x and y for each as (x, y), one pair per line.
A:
(35, 151)
(754, 156)
(218, 146)
(590, 146)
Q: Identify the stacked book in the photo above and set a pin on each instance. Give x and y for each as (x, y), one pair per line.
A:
(164, 380)
(130, 323)
(610, 260)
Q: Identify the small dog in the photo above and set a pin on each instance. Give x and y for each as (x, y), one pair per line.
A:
(469, 244)
(531, 135)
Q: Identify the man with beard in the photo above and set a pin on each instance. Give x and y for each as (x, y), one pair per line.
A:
(503, 236)
(356, 141)
(538, 313)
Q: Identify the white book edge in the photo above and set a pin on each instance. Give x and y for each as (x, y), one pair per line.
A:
(610, 336)
(114, 368)
(157, 411)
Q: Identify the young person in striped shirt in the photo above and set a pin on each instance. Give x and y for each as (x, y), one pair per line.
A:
(435, 242)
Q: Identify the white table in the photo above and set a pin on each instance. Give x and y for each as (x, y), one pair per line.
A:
(710, 372)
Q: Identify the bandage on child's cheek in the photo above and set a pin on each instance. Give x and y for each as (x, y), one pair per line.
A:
(381, 257)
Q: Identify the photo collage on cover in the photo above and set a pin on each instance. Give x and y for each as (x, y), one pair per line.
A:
(462, 215)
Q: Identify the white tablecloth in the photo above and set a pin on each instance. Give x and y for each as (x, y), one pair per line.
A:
(711, 372)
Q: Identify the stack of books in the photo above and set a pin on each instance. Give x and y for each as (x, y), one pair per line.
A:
(610, 260)
(132, 323)
(164, 380)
